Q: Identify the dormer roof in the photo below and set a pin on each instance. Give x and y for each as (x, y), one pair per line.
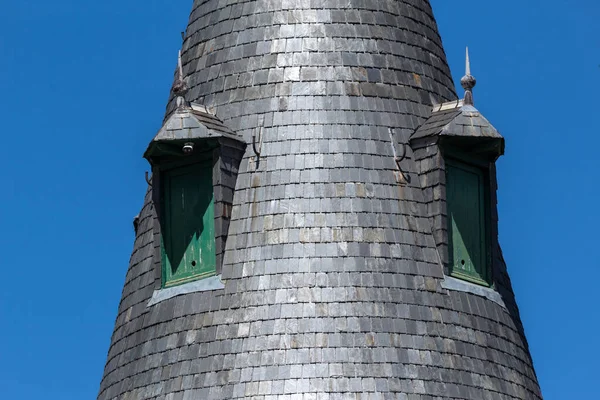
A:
(459, 122)
(190, 124)
(456, 119)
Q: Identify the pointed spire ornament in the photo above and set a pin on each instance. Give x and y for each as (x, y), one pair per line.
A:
(180, 87)
(468, 82)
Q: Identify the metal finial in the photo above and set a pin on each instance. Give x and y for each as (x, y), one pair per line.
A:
(180, 87)
(468, 64)
(468, 82)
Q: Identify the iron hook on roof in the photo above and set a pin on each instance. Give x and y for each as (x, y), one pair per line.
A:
(148, 180)
(254, 146)
(398, 159)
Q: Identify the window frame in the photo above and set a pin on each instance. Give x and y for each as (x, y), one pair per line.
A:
(202, 160)
(469, 163)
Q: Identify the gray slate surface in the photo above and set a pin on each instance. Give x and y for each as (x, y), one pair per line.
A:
(332, 279)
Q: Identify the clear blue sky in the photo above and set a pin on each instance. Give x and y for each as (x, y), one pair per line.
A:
(83, 86)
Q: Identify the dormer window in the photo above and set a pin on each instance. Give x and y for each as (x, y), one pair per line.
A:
(195, 160)
(455, 150)
(467, 222)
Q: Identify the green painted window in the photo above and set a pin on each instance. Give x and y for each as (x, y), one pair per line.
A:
(188, 239)
(467, 230)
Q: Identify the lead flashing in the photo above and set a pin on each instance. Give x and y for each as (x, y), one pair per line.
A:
(449, 105)
(203, 285)
(203, 109)
(458, 285)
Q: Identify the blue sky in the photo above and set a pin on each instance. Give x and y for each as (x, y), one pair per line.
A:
(83, 86)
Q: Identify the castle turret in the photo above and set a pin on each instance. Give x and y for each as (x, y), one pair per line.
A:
(321, 218)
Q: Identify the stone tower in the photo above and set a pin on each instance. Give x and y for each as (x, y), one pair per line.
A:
(321, 221)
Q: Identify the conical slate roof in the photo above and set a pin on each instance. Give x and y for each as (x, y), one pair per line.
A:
(332, 287)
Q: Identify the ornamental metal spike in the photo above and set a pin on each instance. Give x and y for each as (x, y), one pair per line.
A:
(180, 87)
(468, 81)
(468, 64)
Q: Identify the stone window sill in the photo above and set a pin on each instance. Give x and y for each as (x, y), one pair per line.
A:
(201, 285)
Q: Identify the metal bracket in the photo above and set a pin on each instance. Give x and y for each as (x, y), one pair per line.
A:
(148, 180)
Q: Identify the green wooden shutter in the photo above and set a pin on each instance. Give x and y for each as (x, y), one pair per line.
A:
(188, 240)
(467, 222)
